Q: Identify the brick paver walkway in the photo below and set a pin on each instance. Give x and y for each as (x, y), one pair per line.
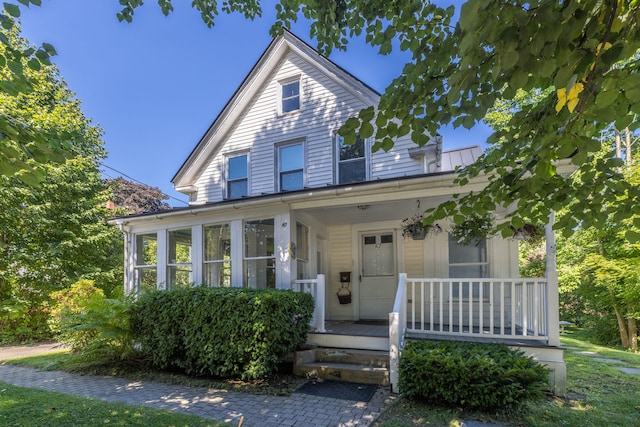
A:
(257, 410)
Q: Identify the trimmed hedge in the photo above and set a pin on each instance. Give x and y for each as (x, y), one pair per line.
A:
(477, 376)
(223, 332)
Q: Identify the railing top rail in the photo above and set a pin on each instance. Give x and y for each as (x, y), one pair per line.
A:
(477, 279)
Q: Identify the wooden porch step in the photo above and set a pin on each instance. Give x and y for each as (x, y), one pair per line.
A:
(357, 366)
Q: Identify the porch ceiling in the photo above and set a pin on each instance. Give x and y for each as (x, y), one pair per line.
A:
(395, 210)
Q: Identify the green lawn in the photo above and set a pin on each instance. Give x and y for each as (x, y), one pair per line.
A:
(598, 395)
(28, 407)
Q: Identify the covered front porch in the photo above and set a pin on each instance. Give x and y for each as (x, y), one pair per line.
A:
(512, 311)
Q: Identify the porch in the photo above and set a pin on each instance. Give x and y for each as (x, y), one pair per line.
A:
(512, 311)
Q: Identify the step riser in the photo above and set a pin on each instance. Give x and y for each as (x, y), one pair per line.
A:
(358, 366)
(348, 375)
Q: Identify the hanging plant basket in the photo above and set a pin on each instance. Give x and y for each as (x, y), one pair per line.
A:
(473, 229)
(529, 232)
(344, 297)
(415, 228)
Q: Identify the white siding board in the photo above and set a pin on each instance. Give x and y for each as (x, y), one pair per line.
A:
(340, 259)
(325, 106)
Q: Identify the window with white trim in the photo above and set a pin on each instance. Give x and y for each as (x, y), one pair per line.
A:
(291, 166)
(179, 273)
(468, 261)
(146, 263)
(237, 176)
(217, 256)
(351, 160)
(259, 255)
(289, 96)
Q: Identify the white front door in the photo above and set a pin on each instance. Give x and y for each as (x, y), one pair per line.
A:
(378, 282)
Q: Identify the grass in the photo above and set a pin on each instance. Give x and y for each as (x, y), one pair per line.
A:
(28, 407)
(597, 395)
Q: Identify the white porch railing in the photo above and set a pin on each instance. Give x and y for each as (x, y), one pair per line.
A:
(315, 287)
(511, 308)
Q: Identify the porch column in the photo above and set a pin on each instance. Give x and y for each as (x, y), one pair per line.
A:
(552, 283)
(283, 242)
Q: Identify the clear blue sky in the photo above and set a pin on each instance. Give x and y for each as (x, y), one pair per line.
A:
(155, 85)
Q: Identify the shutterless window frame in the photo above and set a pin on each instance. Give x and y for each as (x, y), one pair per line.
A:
(141, 268)
(483, 264)
(337, 142)
(221, 263)
(280, 162)
(174, 264)
(282, 98)
(229, 180)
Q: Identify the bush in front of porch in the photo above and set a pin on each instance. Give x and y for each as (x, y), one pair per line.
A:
(470, 375)
(221, 332)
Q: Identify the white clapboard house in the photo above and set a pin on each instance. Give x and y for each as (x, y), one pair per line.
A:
(277, 200)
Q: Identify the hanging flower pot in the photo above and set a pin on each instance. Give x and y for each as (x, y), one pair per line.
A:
(416, 229)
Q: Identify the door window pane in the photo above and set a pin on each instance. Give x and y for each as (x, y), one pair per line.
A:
(378, 256)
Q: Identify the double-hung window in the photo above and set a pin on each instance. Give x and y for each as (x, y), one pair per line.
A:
(259, 254)
(290, 96)
(146, 269)
(179, 272)
(468, 261)
(291, 166)
(351, 160)
(217, 256)
(237, 176)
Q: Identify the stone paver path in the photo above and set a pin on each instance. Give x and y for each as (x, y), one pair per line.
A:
(257, 410)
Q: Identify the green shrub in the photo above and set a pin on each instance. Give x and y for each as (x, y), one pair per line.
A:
(221, 332)
(91, 324)
(475, 376)
(67, 303)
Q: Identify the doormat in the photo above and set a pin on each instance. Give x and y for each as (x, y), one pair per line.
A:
(338, 390)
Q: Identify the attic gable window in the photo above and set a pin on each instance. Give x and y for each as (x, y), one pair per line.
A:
(290, 96)
(237, 176)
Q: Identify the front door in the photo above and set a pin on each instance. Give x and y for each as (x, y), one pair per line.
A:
(378, 282)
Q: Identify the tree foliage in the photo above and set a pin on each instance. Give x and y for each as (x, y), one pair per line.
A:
(580, 49)
(54, 233)
(133, 198)
(24, 146)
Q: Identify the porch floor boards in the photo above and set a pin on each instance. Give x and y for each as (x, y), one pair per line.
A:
(381, 329)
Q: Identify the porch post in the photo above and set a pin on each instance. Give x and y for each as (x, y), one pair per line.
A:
(551, 274)
(320, 303)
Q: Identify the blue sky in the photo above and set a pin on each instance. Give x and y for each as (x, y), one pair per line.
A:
(155, 85)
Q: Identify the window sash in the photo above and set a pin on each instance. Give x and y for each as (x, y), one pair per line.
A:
(290, 96)
(237, 176)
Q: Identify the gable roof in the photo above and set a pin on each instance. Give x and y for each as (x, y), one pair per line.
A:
(270, 59)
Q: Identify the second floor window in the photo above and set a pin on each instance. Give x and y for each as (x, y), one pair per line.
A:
(290, 96)
(237, 177)
(291, 167)
(351, 160)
